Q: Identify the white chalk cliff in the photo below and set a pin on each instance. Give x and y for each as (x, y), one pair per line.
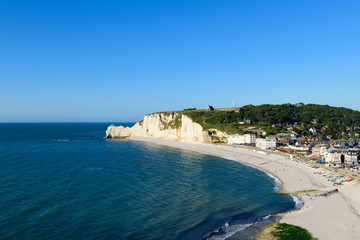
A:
(170, 126)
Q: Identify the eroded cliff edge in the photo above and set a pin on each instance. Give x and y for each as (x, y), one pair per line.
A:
(170, 125)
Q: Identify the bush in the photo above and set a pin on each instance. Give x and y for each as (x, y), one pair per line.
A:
(285, 231)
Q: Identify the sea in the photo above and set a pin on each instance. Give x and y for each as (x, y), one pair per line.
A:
(66, 181)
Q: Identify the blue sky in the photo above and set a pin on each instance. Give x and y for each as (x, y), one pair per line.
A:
(118, 60)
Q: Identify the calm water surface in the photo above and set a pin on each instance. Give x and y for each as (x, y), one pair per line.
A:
(82, 186)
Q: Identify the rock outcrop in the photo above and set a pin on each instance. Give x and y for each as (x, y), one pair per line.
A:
(172, 126)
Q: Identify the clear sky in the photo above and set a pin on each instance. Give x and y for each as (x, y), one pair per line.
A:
(72, 60)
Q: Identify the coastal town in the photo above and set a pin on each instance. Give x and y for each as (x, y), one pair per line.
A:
(316, 145)
(339, 152)
(336, 159)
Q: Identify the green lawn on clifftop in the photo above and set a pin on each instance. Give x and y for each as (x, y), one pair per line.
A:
(274, 119)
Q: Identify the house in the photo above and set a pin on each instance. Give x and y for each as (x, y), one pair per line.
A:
(308, 140)
(247, 120)
(286, 138)
(319, 150)
(352, 157)
(341, 143)
(209, 108)
(351, 142)
(349, 129)
(315, 121)
(283, 138)
(323, 149)
(238, 110)
(284, 135)
(235, 139)
(334, 157)
(265, 143)
(316, 150)
(337, 156)
(248, 139)
(313, 130)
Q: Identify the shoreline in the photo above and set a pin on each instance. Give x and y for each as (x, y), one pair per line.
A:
(326, 216)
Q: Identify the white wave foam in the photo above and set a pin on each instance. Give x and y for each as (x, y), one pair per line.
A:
(266, 217)
(229, 230)
(298, 202)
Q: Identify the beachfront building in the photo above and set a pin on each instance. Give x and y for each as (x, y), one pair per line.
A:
(323, 150)
(265, 143)
(235, 139)
(344, 156)
(352, 157)
(294, 149)
(316, 150)
(299, 149)
(248, 139)
(334, 157)
(319, 150)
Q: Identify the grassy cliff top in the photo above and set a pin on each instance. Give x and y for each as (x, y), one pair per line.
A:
(272, 119)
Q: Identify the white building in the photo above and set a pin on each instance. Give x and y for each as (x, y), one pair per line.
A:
(338, 156)
(333, 157)
(313, 130)
(242, 139)
(352, 157)
(299, 148)
(265, 143)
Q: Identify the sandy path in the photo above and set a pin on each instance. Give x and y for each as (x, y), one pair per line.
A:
(334, 216)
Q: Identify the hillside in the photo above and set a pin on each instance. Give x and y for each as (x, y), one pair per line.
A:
(304, 120)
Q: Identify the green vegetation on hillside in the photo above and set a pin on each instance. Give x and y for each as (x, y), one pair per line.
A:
(227, 121)
(176, 123)
(273, 119)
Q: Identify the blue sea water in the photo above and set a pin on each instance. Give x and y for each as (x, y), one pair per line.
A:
(82, 186)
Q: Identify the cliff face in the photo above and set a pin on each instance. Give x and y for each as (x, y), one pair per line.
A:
(163, 125)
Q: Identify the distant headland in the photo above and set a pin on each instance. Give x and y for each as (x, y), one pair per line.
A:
(216, 125)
